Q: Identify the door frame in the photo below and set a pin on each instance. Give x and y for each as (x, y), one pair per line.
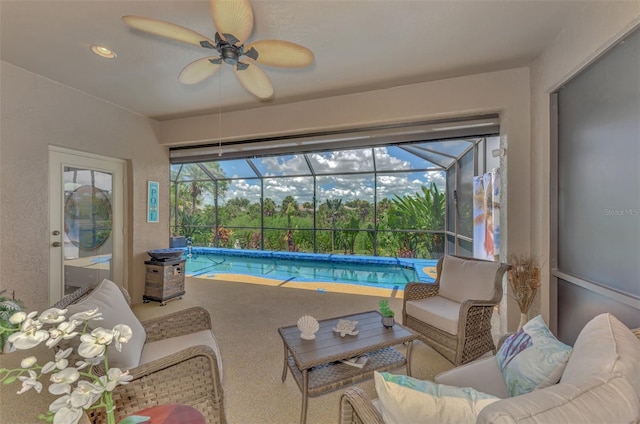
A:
(60, 157)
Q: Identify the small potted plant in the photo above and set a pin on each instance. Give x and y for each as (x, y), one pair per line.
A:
(387, 313)
(8, 307)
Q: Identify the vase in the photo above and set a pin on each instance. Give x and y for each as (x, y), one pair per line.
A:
(388, 322)
(524, 318)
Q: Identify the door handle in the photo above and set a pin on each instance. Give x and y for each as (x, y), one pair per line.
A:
(56, 244)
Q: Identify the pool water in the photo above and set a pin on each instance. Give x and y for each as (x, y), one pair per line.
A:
(285, 266)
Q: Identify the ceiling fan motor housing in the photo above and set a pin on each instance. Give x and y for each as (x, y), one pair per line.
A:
(230, 54)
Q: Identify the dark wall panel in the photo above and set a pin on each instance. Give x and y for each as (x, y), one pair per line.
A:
(599, 171)
(580, 305)
(598, 185)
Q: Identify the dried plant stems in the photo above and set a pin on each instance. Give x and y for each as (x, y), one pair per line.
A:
(524, 278)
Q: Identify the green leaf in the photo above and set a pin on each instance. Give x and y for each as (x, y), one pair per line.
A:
(133, 419)
(48, 417)
(10, 380)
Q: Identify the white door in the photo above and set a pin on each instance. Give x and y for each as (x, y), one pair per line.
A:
(86, 221)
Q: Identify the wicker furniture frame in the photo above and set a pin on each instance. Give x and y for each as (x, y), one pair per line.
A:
(474, 321)
(190, 376)
(315, 364)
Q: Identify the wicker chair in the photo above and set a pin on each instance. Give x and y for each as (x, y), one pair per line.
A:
(190, 376)
(453, 316)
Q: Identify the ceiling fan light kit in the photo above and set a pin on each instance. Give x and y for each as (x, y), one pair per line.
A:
(233, 20)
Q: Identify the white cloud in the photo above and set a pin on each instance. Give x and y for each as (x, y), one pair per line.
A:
(332, 182)
(301, 188)
(341, 161)
(385, 161)
(283, 165)
(439, 178)
(345, 187)
(243, 189)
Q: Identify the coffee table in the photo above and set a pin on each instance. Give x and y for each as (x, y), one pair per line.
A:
(315, 364)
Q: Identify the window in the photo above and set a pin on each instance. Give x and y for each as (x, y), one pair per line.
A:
(407, 199)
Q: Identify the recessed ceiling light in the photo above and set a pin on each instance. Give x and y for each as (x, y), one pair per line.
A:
(103, 52)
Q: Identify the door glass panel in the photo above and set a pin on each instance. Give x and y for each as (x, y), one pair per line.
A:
(88, 220)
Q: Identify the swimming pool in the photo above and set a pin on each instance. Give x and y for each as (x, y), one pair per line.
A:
(288, 267)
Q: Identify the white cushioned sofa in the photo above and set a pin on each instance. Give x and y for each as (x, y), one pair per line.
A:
(599, 383)
(173, 359)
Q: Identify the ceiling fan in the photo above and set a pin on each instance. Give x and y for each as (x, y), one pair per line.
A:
(233, 20)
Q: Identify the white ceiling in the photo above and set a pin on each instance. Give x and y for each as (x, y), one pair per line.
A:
(358, 46)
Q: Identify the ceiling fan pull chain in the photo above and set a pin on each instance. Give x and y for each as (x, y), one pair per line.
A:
(220, 114)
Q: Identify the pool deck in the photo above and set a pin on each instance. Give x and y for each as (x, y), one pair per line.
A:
(425, 269)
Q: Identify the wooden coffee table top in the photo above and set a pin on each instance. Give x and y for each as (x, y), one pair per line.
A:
(329, 346)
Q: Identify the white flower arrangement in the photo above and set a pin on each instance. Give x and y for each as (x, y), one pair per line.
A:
(81, 388)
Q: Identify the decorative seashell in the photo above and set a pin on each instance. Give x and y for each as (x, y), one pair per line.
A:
(345, 326)
(308, 325)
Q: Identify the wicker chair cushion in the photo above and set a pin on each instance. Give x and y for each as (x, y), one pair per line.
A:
(437, 311)
(166, 347)
(463, 279)
(109, 300)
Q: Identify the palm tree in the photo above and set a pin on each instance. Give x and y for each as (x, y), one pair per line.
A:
(350, 233)
(200, 183)
(333, 205)
(269, 207)
(193, 182)
(289, 201)
(424, 211)
(291, 211)
(179, 204)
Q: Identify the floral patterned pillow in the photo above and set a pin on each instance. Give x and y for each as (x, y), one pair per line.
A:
(532, 358)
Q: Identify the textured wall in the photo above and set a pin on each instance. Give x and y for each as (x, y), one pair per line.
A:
(36, 113)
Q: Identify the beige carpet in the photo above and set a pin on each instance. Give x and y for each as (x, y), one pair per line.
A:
(245, 320)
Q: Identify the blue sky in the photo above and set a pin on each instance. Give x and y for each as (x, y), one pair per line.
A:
(332, 182)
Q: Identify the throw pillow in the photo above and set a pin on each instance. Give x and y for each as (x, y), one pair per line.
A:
(532, 358)
(110, 301)
(406, 400)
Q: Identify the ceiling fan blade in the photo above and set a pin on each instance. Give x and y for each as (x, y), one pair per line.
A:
(283, 54)
(200, 70)
(254, 79)
(168, 30)
(233, 17)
